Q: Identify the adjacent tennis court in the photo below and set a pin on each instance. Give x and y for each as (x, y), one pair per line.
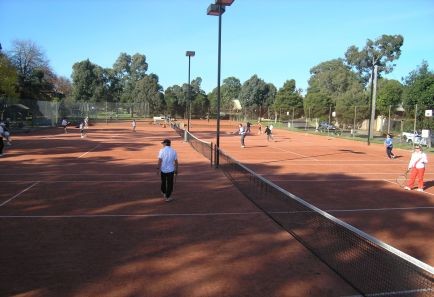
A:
(84, 217)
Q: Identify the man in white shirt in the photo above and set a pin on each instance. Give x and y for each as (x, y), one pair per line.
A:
(242, 132)
(167, 167)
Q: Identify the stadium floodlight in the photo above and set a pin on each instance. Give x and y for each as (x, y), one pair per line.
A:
(217, 9)
(189, 54)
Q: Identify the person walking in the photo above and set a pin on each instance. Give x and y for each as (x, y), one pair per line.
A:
(242, 132)
(134, 124)
(6, 132)
(269, 133)
(248, 127)
(416, 166)
(82, 130)
(388, 143)
(259, 128)
(167, 167)
(64, 125)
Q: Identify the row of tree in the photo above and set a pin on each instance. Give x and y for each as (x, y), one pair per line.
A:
(337, 85)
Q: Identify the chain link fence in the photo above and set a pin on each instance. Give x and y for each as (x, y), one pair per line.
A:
(345, 121)
(24, 113)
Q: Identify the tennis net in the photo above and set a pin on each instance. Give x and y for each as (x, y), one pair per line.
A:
(372, 267)
(203, 147)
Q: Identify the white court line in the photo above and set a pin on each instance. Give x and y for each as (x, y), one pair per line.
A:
(395, 183)
(84, 154)
(155, 180)
(393, 293)
(26, 189)
(140, 215)
(354, 210)
(291, 152)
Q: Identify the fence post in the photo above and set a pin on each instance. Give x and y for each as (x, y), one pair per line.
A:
(355, 121)
(212, 150)
(388, 124)
(415, 121)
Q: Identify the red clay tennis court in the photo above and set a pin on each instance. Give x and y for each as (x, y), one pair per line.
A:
(349, 179)
(85, 217)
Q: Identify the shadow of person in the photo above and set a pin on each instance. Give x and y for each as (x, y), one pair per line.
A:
(428, 184)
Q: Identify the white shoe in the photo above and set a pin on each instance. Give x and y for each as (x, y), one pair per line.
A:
(419, 190)
(407, 188)
(169, 199)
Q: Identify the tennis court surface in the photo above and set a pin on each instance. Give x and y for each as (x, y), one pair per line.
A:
(85, 217)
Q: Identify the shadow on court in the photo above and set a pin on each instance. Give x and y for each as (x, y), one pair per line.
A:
(86, 218)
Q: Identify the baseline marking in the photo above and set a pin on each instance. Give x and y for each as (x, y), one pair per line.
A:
(141, 215)
(26, 189)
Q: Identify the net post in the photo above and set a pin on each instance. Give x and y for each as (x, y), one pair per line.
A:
(211, 158)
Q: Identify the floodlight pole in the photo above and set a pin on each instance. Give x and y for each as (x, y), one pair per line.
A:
(217, 159)
(218, 9)
(189, 54)
(372, 103)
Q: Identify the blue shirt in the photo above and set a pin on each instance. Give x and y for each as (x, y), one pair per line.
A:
(388, 142)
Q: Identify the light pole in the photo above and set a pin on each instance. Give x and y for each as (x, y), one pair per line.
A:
(189, 54)
(372, 103)
(217, 9)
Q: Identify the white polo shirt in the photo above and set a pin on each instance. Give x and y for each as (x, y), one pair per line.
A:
(168, 157)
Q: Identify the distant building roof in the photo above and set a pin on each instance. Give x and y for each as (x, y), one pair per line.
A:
(237, 104)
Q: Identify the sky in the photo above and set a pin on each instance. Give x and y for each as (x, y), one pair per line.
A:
(277, 40)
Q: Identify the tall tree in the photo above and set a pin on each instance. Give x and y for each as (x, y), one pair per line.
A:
(88, 82)
(288, 98)
(230, 90)
(329, 82)
(389, 95)
(8, 78)
(200, 104)
(148, 95)
(128, 71)
(253, 94)
(27, 56)
(35, 78)
(175, 101)
(419, 89)
(380, 52)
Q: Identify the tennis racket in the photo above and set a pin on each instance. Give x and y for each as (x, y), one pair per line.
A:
(401, 180)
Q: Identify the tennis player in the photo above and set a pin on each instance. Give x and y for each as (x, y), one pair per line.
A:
(388, 143)
(167, 167)
(65, 125)
(416, 166)
(242, 132)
